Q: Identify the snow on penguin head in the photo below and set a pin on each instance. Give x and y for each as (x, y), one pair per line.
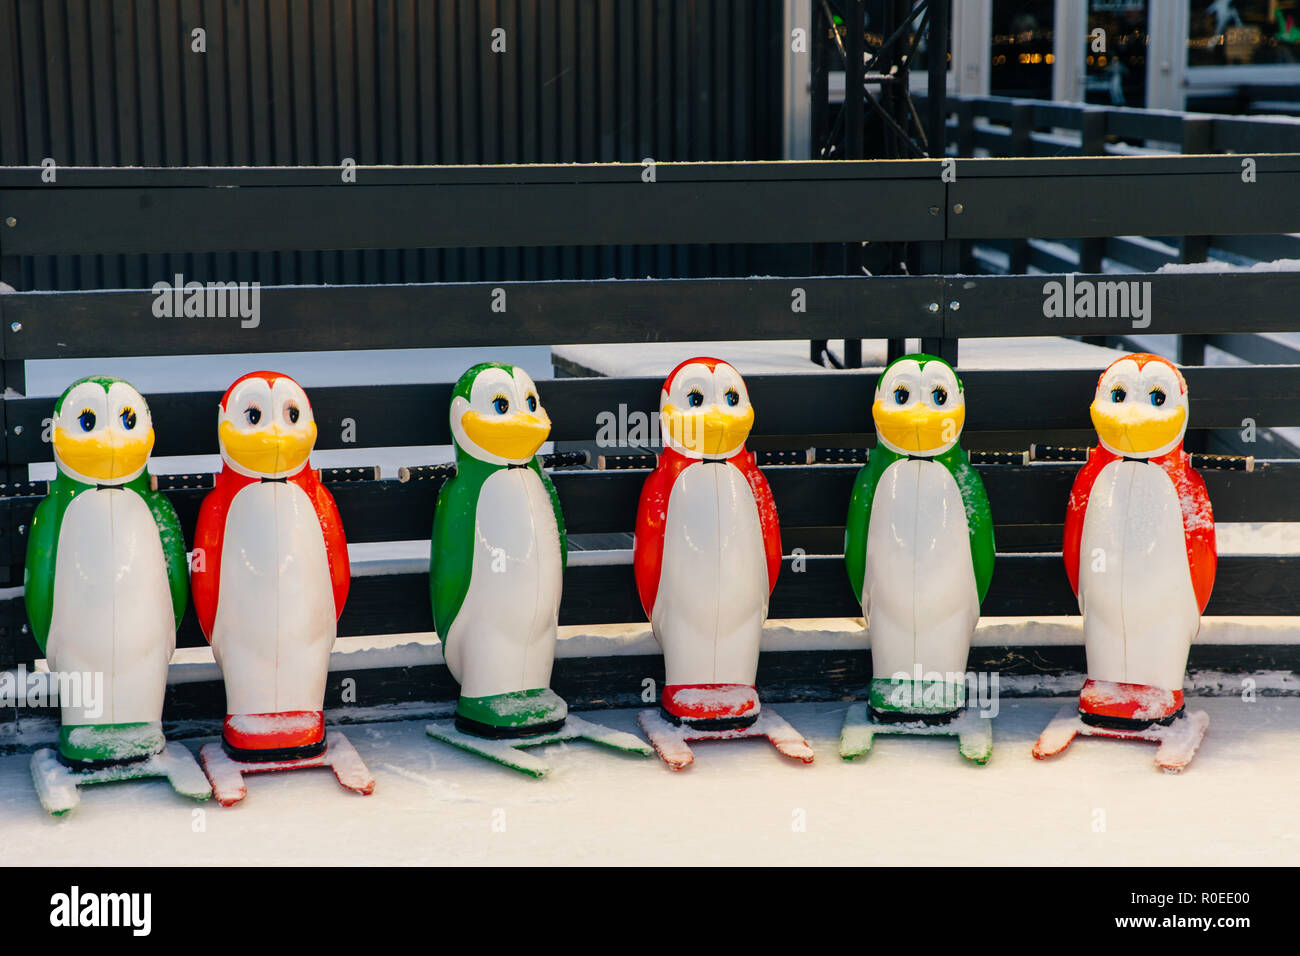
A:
(265, 426)
(919, 407)
(704, 409)
(497, 416)
(1140, 409)
(103, 431)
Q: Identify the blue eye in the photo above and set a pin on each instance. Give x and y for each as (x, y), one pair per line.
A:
(939, 394)
(532, 403)
(87, 420)
(1117, 394)
(901, 395)
(733, 397)
(1157, 397)
(128, 419)
(502, 405)
(253, 414)
(695, 399)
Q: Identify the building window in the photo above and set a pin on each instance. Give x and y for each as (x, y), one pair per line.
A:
(1022, 55)
(1240, 32)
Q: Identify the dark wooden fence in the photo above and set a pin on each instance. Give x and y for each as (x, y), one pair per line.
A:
(388, 82)
(1003, 126)
(276, 211)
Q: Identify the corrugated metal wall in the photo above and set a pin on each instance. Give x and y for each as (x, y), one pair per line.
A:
(310, 82)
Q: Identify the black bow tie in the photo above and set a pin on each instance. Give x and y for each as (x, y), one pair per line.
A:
(516, 465)
(280, 480)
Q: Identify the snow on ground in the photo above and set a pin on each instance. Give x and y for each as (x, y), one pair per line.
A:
(912, 801)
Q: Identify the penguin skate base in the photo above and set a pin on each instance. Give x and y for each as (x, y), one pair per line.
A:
(57, 784)
(1178, 741)
(670, 740)
(227, 774)
(974, 733)
(509, 751)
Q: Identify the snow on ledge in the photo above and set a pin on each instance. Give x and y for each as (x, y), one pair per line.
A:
(1209, 268)
(423, 649)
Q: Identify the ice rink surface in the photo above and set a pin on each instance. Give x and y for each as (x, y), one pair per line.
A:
(911, 801)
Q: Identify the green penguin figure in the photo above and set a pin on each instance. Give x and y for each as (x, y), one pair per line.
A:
(105, 588)
(498, 557)
(495, 577)
(919, 544)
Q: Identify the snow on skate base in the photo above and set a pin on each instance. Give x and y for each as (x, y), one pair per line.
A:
(974, 733)
(227, 774)
(913, 801)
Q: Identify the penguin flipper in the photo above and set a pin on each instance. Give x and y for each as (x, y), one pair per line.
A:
(536, 465)
(173, 544)
(1098, 458)
(42, 555)
(451, 558)
(336, 543)
(859, 517)
(768, 519)
(651, 516)
(979, 519)
(1198, 525)
(209, 537)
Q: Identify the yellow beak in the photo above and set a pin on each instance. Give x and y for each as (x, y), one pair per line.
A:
(105, 458)
(1129, 427)
(268, 451)
(919, 428)
(513, 437)
(709, 432)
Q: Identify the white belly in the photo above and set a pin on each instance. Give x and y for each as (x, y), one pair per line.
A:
(713, 591)
(919, 598)
(112, 607)
(275, 620)
(503, 637)
(1135, 585)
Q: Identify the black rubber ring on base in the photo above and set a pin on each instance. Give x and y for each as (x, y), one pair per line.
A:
(1129, 723)
(273, 756)
(73, 764)
(494, 732)
(901, 717)
(710, 723)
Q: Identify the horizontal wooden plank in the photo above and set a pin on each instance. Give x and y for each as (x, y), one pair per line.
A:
(1172, 303)
(458, 314)
(432, 207)
(581, 409)
(1147, 198)
(811, 500)
(500, 174)
(1138, 172)
(1023, 584)
(263, 219)
(1255, 134)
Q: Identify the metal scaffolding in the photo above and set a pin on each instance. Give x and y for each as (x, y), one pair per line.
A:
(878, 118)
